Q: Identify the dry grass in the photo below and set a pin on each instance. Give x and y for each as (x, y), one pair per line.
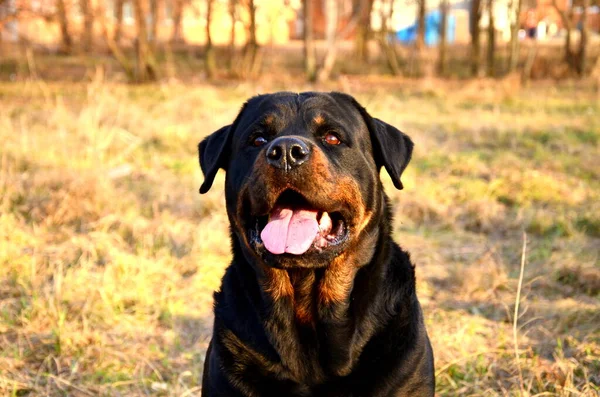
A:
(108, 255)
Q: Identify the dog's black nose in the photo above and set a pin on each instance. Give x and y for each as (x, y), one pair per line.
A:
(287, 153)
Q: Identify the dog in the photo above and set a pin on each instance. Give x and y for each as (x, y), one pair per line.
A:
(318, 299)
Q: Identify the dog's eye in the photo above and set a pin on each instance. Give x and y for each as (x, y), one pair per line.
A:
(332, 139)
(259, 141)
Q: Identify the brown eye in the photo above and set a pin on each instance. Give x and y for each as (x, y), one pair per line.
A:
(259, 141)
(331, 139)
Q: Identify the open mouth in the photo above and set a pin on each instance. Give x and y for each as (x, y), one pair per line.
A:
(294, 227)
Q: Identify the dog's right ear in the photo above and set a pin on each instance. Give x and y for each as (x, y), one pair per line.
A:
(214, 151)
(213, 154)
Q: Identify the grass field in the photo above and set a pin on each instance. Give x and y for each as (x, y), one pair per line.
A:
(108, 254)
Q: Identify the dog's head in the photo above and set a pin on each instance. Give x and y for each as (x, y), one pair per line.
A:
(302, 184)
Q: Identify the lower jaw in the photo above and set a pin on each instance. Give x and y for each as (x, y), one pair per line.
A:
(288, 261)
(314, 258)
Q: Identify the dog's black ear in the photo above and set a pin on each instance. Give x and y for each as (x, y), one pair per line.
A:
(213, 154)
(392, 149)
(214, 151)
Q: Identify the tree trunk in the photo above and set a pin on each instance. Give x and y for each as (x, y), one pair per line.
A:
(331, 21)
(570, 55)
(583, 41)
(475, 38)
(176, 36)
(145, 64)
(421, 9)
(88, 25)
(331, 17)
(596, 77)
(491, 50)
(118, 21)
(417, 61)
(310, 58)
(444, 9)
(363, 29)
(233, 16)
(389, 49)
(155, 6)
(209, 55)
(528, 66)
(5, 14)
(63, 20)
(114, 47)
(513, 57)
(251, 58)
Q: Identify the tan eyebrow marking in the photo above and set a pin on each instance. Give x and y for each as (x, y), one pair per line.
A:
(269, 119)
(318, 120)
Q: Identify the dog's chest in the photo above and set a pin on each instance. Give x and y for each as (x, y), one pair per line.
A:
(312, 333)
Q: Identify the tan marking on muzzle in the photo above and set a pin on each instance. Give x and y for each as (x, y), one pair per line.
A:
(320, 170)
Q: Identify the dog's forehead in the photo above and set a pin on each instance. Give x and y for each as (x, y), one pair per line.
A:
(289, 105)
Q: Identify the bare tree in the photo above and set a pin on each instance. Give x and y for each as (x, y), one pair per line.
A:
(528, 65)
(114, 47)
(331, 23)
(252, 58)
(88, 24)
(209, 52)
(331, 17)
(233, 16)
(310, 57)
(145, 63)
(363, 29)
(596, 77)
(475, 21)
(63, 21)
(581, 59)
(8, 13)
(567, 22)
(491, 49)
(389, 49)
(176, 36)
(575, 59)
(155, 7)
(444, 9)
(421, 9)
(118, 20)
(513, 57)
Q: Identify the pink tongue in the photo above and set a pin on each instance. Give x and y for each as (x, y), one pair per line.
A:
(291, 231)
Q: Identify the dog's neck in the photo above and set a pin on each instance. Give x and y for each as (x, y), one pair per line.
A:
(311, 292)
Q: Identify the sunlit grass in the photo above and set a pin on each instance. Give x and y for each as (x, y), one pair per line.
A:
(109, 256)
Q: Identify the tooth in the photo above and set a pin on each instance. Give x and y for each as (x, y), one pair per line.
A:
(325, 223)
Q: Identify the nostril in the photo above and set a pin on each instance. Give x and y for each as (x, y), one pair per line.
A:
(274, 153)
(286, 152)
(298, 152)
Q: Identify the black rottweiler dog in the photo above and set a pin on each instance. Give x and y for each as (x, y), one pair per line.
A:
(318, 299)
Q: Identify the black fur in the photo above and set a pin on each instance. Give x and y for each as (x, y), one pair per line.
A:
(363, 333)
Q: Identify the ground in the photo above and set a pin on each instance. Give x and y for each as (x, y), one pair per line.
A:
(109, 256)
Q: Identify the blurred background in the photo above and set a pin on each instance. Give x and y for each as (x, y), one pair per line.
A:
(109, 256)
